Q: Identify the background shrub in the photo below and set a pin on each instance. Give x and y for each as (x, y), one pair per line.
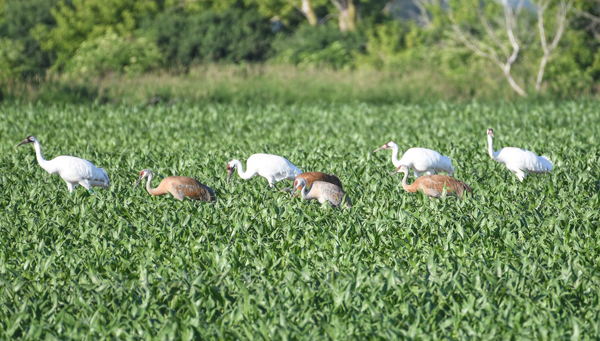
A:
(112, 53)
(233, 35)
(321, 45)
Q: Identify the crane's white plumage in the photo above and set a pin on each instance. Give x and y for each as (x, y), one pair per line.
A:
(271, 167)
(420, 160)
(73, 170)
(517, 160)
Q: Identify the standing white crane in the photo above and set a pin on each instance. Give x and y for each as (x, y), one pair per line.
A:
(420, 160)
(271, 167)
(517, 160)
(73, 170)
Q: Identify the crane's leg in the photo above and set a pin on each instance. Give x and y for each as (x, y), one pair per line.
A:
(519, 173)
(87, 186)
(71, 187)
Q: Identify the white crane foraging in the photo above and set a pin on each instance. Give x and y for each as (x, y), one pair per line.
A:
(420, 160)
(73, 170)
(517, 160)
(271, 167)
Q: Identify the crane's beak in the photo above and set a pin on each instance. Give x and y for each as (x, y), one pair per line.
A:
(229, 171)
(137, 183)
(394, 172)
(380, 148)
(23, 142)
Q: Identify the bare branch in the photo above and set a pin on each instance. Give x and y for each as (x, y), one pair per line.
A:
(478, 47)
(561, 19)
(491, 32)
(424, 16)
(508, 14)
(471, 45)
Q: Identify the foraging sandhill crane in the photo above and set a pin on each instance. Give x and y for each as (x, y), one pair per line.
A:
(322, 191)
(271, 167)
(179, 186)
(433, 185)
(315, 176)
(420, 160)
(73, 170)
(517, 160)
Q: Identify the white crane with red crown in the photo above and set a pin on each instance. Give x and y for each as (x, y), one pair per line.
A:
(517, 160)
(420, 160)
(274, 168)
(73, 170)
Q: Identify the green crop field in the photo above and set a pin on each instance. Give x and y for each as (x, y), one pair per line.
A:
(519, 260)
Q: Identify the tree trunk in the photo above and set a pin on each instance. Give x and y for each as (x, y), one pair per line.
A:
(512, 82)
(308, 12)
(347, 17)
(540, 77)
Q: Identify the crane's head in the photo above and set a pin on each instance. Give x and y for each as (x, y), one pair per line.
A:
(401, 169)
(230, 168)
(144, 173)
(298, 184)
(29, 139)
(388, 145)
(491, 132)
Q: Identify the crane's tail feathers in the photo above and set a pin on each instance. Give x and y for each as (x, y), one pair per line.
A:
(348, 202)
(547, 163)
(469, 189)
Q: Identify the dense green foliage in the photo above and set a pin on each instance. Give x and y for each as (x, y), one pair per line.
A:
(20, 53)
(519, 260)
(42, 39)
(232, 35)
(319, 46)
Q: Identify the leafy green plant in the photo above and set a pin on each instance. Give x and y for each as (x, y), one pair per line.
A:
(233, 35)
(519, 260)
(112, 53)
(319, 46)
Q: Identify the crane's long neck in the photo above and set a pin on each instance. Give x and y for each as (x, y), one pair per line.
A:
(395, 160)
(304, 192)
(40, 159)
(405, 185)
(491, 151)
(152, 191)
(244, 175)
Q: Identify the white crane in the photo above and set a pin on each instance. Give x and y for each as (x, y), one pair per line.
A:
(73, 170)
(420, 160)
(271, 167)
(517, 160)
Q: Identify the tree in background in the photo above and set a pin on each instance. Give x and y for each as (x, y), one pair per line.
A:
(213, 35)
(81, 20)
(502, 55)
(500, 44)
(285, 9)
(20, 53)
(562, 10)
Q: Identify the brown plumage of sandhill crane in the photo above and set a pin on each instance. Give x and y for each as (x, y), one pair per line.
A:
(433, 185)
(179, 186)
(323, 192)
(310, 177)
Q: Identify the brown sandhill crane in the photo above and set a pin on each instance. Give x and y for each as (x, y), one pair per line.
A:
(433, 185)
(310, 177)
(323, 192)
(179, 186)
